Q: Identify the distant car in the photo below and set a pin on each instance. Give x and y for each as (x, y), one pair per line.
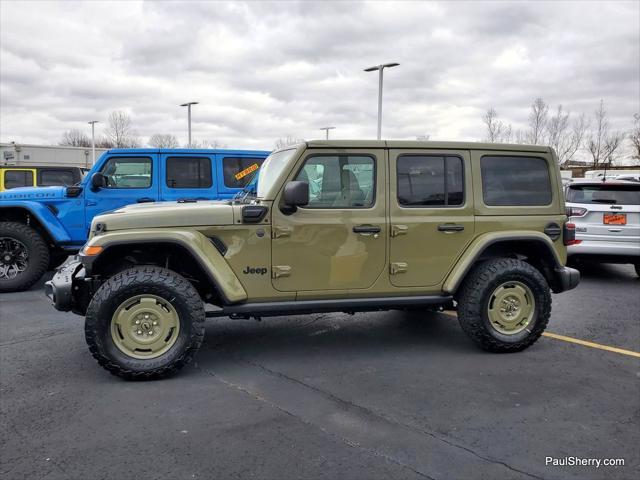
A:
(632, 177)
(39, 176)
(607, 219)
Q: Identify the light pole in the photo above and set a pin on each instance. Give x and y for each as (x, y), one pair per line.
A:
(380, 68)
(326, 129)
(188, 105)
(93, 141)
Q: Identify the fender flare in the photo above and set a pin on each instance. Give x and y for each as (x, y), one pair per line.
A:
(43, 215)
(200, 247)
(483, 242)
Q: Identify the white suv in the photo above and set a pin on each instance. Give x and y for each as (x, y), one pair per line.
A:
(607, 219)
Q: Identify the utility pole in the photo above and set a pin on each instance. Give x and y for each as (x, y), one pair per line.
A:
(326, 129)
(93, 141)
(188, 105)
(380, 68)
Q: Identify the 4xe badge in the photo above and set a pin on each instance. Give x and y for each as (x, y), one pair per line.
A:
(254, 271)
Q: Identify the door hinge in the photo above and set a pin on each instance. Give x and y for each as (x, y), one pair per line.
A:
(279, 232)
(278, 271)
(398, 267)
(398, 230)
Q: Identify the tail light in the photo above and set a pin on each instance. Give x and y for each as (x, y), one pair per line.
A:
(569, 234)
(576, 212)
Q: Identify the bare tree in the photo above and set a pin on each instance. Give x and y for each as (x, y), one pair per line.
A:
(565, 136)
(207, 144)
(104, 142)
(634, 136)
(120, 130)
(75, 138)
(496, 130)
(163, 140)
(538, 121)
(603, 144)
(286, 141)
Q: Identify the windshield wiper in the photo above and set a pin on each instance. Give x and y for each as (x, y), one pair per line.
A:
(248, 190)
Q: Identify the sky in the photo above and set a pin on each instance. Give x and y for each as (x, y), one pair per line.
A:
(266, 70)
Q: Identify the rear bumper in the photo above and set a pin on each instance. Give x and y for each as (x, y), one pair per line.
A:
(568, 279)
(619, 249)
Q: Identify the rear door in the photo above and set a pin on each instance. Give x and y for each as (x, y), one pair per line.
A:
(431, 214)
(606, 212)
(188, 176)
(235, 171)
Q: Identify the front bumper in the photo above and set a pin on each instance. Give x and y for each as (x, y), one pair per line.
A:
(568, 279)
(68, 289)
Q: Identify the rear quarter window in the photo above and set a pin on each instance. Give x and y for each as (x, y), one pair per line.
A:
(515, 181)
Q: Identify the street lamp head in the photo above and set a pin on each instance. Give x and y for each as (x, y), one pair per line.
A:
(92, 122)
(381, 67)
(189, 103)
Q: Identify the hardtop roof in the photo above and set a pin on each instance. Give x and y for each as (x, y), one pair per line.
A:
(417, 144)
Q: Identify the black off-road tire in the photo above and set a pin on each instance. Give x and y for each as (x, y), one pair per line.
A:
(475, 294)
(157, 281)
(38, 256)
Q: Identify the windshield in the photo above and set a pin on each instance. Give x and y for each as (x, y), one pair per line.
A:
(271, 169)
(612, 194)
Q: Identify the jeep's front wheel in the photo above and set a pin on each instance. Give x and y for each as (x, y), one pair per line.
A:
(504, 305)
(24, 256)
(145, 323)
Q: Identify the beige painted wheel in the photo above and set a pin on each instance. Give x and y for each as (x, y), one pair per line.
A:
(511, 308)
(145, 326)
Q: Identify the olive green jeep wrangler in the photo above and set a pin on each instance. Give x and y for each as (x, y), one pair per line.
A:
(330, 226)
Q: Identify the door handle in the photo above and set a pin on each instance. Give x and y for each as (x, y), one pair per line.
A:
(450, 228)
(145, 200)
(366, 229)
(90, 203)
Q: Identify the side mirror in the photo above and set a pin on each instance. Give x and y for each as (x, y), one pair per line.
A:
(296, 194)
(98, 181)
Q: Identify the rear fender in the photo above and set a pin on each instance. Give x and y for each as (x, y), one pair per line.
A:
(199, 246)
(40, 213)
(483, 242)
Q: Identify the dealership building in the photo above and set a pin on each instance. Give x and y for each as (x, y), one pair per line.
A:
(26, 155)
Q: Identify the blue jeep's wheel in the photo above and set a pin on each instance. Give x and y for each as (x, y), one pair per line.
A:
(24, 257)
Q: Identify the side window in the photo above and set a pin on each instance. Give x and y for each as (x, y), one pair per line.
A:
(128, 172)
(430, 181)
(518, 181)
(339, 181)
(237, 171)
(55, 177)
(189, 172)
(18, 178)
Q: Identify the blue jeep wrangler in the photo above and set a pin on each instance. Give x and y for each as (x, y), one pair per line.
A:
(41, 226)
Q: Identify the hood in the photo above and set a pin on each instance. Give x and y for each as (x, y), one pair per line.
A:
(34, 193)
(166, 214)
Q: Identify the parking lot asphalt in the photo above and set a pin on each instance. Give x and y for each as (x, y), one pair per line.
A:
(375, 395)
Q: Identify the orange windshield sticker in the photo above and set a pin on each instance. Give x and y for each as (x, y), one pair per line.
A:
(247, 171)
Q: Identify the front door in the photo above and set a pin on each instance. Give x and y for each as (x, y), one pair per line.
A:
(130, 179)
(431, 214)
(337, 241)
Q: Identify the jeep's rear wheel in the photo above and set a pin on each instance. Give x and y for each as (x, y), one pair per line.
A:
(24, 256)
(145, 323)
(504, 305)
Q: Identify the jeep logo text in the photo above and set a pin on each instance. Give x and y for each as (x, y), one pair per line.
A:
(256, 271)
